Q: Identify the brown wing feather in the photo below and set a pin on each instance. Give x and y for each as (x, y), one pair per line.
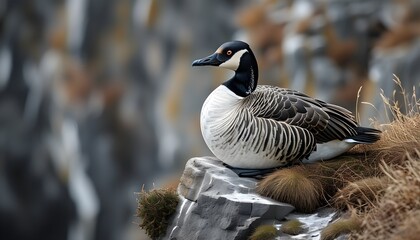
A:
(326, 121)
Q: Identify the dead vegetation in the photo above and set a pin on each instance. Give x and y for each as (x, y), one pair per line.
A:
(379, 182)
(264, 232)
(361, 194)
(154, 210)
(395, 215)
(283, 185)
(292, 227)
(340, 227)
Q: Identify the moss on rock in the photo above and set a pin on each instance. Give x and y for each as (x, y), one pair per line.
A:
(154, 210)
(264, 232)
(292, 227)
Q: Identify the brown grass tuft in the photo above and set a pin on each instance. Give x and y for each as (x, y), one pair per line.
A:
(293, 185)
(292, 227)
(264, 232)
(399, 203)
(154, 210)
(398, 138)
(347, 168)
(360, 195)
(308, 187)
(340, 227)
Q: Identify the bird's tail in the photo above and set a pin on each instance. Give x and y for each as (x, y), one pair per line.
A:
(365, 136)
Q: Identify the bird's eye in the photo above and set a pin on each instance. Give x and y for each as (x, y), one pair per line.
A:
(229, 52)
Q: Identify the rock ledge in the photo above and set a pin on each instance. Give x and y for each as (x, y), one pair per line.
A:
(216, 202)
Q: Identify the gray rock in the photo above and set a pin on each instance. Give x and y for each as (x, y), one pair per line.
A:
(218, 204)
(313, 223)
(400, 61)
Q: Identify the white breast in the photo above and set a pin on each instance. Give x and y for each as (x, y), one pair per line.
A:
(216, 112)
(222, 124)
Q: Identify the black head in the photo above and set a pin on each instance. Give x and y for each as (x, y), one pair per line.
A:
(236, 56)
(227, 56)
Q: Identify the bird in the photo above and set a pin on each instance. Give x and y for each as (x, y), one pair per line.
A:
(258, 127)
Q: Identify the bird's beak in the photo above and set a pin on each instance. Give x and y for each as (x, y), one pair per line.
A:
(208, 61)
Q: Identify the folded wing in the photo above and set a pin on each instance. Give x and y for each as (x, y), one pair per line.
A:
(325, 121)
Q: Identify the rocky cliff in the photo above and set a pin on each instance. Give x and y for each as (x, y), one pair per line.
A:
(217, 204)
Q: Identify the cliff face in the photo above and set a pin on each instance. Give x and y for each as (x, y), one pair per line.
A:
(216, 202)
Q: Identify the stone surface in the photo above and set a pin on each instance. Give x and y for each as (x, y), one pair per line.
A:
(402, 62)
(313, 223)
(217, 203)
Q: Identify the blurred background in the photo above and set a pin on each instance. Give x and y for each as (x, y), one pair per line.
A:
(98, 98)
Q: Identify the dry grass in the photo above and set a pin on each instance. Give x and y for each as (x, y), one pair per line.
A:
(283, 185)
(154, 210)
(344, 169)
(361, 194)
(340, 227)
(399, 138)
(409, 228)
(354, 180)
(292, 227)
(396, 214)
(401, 135)
(264, 232)
(308, 187)
(393, 212)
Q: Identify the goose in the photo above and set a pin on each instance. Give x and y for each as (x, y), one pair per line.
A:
(260, 127)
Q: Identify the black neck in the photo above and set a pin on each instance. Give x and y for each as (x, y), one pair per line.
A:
(245, 79)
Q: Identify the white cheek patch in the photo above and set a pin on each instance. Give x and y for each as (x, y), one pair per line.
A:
(233, 62)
